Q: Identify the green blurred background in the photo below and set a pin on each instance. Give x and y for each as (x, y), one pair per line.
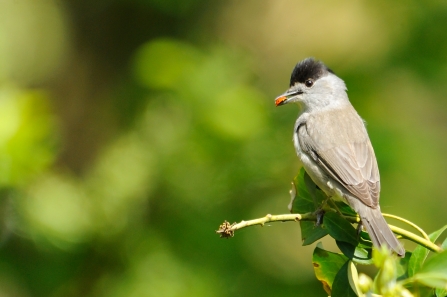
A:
(129, 130)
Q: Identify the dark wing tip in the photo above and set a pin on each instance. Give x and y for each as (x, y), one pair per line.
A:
(308, 68)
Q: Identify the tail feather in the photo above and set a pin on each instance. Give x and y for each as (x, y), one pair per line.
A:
(378, 229)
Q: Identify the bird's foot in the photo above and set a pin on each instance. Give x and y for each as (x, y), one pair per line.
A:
(319, 213)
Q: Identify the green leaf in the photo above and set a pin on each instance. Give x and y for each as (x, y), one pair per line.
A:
(444, 244)
(311, 233)
(341, 286)
(434, 271)
(345, 209)
(310, 186)
(402, 266)
(353, 277)
(420, 253)
(356, 254)
(420, 290)
(317, 195)
(434, 280)
(303, 201)
(365, 240)
(320, 196)
(436, 263)
(339, 228)
(441, 292)
(326, 265)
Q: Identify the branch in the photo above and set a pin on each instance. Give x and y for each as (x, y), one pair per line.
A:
(227, 230)
(416, 239)
(407, 222)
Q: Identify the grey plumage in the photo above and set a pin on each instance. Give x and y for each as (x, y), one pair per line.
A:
(333, 145)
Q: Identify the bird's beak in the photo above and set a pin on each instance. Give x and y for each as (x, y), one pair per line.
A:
(287, 96)
(281, 100)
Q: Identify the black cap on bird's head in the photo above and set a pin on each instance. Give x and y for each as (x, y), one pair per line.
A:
(303, 77)
(308, 68)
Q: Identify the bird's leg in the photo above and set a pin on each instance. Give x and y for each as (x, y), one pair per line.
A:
(336, 207)
(319, 212)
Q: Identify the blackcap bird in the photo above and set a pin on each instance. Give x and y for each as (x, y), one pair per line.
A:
(331, 141)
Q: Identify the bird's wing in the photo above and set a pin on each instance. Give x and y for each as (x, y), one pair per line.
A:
(345, 153)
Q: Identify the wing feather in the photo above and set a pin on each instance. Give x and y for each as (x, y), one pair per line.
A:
(340, 144)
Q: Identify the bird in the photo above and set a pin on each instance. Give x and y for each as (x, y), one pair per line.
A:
(332, 142)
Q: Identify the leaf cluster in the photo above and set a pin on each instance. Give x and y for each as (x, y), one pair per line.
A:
(417, 274)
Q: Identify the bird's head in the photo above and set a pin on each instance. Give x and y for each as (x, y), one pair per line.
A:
(313, 85)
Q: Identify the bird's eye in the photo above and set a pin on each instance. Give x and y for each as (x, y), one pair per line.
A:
(309, 83)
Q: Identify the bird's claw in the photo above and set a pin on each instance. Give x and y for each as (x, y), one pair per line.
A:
(319, 213)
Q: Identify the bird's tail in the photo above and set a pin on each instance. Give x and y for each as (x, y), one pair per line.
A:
(378, 229)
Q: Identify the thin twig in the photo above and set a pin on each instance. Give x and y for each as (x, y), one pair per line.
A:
(227, 230)
(409, 223)
(415, 238)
